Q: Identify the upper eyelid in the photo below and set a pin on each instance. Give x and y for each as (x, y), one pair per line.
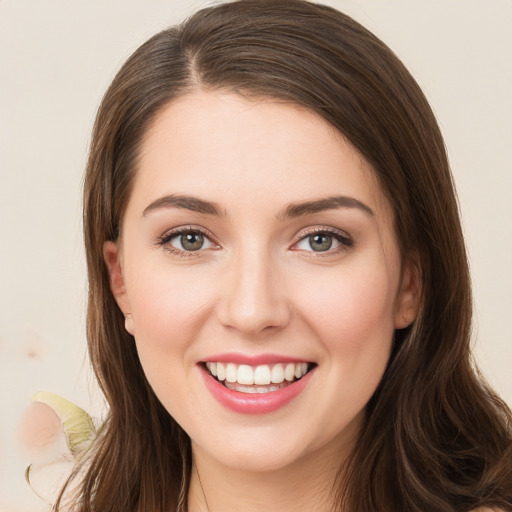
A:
(164, 241)
(170, 233)
(321, 229)
(344, 239)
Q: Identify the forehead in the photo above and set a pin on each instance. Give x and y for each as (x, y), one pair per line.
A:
(249, 153)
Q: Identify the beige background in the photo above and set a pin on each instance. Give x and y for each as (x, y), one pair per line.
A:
(56, 59)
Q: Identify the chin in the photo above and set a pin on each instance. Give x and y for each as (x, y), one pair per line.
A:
(257, 461)
(263, 450)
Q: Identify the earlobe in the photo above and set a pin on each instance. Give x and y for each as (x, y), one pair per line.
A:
(409, 296)
(112, 259)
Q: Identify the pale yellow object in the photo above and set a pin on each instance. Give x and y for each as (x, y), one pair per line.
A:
(78, 425)
(51, 466)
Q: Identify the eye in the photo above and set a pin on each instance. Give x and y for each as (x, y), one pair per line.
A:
(186, 240)
(192, 241)
(323, 241)
(318, 243)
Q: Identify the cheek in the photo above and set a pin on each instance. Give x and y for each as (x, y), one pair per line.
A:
(168, 306)
(169, 310)
(352, 310)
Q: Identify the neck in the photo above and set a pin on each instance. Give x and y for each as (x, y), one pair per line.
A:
(306, 485)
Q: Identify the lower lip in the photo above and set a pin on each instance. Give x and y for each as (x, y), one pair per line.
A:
(254, 403)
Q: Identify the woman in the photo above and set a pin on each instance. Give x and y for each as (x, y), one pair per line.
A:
(279, 305)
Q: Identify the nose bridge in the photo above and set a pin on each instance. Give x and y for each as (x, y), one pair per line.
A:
(254, 298)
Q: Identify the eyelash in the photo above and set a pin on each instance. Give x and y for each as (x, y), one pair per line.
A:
(344, 240)
(165, 239)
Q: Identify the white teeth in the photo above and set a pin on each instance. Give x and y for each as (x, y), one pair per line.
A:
(221, 372)
(231, 372)
(244, 389)
(257, 376)
(255, 389)
(245, 375)
(262, 375)
(289, 372)
(277, 374)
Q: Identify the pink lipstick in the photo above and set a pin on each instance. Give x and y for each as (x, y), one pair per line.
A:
(255, 385)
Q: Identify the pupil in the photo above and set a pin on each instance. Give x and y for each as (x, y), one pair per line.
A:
(320, 242)
(192, 241)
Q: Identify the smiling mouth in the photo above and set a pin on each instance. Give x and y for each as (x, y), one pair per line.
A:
(257, 379)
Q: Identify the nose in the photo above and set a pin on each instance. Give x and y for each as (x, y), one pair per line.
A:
(254, 298)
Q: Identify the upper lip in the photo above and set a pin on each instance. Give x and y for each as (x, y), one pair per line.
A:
(253, 360)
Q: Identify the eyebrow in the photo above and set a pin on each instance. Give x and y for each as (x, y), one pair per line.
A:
(320, 205)
(184, 202)
(292, 210)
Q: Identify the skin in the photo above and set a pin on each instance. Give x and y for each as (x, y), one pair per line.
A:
(257, 287)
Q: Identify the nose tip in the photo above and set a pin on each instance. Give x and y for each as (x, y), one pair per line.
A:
(254, 301)
(254, 317)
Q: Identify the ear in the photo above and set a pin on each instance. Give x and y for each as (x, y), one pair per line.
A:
(112, 257)
(409, 296)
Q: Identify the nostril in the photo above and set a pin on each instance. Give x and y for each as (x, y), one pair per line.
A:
(253, 302)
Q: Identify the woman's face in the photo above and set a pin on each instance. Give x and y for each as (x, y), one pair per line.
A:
(257, 246)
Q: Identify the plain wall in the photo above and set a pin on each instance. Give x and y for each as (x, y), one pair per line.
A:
(57, 58)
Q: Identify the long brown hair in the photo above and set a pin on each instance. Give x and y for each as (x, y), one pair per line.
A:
(436, 437)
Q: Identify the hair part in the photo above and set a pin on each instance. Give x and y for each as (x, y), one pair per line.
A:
(435, 437)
